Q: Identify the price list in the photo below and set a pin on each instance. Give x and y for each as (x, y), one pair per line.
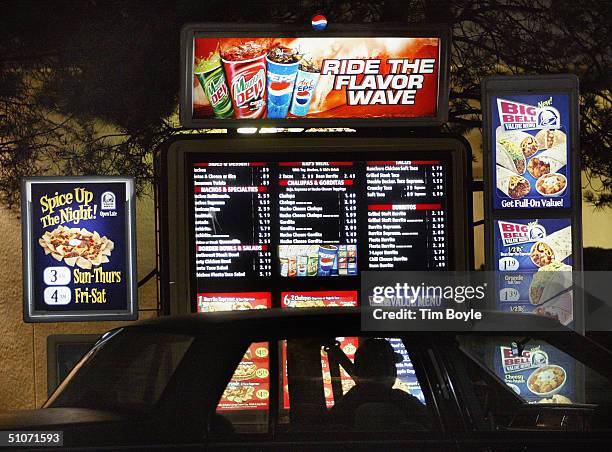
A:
(406, 215)
(317, 205)
(232, 219)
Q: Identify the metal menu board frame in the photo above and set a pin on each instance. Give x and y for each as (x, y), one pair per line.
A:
(556, 93)
(91, 203)
(175, 194)
(279, 31)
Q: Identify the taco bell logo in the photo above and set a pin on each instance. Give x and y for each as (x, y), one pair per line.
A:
(528, 360)
(516, 233)
(548, 117)
(518, 116)
(108, 201)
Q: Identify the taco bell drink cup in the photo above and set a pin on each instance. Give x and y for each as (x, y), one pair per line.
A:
(211, 77)
(245, 68)
(305, 84)
(282, 67)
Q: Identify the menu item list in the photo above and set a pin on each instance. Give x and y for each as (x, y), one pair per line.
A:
(232, 219)
(318, 219)
(302, 219)
(406, 215)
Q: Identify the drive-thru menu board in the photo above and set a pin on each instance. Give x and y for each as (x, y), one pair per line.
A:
(299, 220)
(79, 249)
(535, 267)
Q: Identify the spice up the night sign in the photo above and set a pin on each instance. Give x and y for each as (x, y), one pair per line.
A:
(78, 249)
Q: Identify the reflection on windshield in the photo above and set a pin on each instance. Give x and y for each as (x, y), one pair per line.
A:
(125, 372)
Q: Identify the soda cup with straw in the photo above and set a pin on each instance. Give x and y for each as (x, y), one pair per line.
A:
(212, 78)
(282, 64)
(305, 84)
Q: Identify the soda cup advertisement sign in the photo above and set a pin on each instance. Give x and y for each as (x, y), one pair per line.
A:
(317, 77)
(79, 249)
(531, 151)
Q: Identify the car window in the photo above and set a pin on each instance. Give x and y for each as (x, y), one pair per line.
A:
(538, 374)
(126, 373)
(328, 384)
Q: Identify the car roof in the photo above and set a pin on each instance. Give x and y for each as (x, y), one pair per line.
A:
(334, 319)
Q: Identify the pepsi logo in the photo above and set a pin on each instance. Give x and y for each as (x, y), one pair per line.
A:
(319, 22)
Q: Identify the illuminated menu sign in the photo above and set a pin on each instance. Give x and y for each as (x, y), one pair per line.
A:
(318, 219)
(79, 249)
(533, 235)
(406, 217)
(531, 151)
(238, 194)
(312, 221)
(287, 79)
(348, 345)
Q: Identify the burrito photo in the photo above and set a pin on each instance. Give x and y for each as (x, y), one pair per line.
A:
(560, 309)
(549, 281)
(547, 138)
(555, 247)
(511, 184)
(508, 152)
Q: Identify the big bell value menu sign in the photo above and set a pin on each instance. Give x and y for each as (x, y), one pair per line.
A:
(78, 249)
(533, 194)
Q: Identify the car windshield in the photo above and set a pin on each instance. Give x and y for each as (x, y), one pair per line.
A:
(126, 372)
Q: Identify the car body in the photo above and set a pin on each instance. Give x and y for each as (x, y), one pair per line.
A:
(115, 398)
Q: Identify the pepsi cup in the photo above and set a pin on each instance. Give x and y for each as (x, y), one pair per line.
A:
(281, 80)
(305, 84)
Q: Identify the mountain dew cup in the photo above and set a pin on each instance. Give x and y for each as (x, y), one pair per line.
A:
(212, 78)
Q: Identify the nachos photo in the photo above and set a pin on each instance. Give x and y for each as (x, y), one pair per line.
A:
(77, 246)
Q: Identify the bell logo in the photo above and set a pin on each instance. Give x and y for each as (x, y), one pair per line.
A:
(108, 201)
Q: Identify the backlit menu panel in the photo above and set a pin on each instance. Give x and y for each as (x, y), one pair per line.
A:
(280, 223)
(318, 218)
(406, 215)
(232, 219)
